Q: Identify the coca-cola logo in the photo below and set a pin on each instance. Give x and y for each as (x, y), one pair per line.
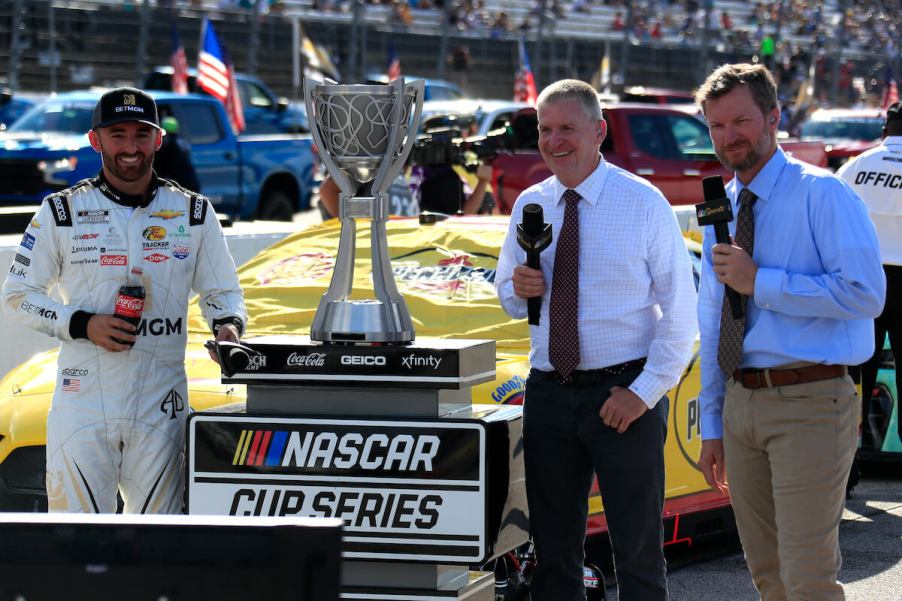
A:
(129, 305)
(113, 260)
(311, 360)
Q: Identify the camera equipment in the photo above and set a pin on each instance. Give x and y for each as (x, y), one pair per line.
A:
(447, 146)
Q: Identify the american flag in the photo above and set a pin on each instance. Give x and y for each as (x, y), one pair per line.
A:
(216, 76)
(524, 82)
(393, 70)
(71, 385)
(179, 64)
(890, 92)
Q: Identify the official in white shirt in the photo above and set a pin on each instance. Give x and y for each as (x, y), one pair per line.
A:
(877, 177)
(615, 333)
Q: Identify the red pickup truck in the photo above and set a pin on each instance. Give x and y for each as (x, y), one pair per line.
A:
(668, 147)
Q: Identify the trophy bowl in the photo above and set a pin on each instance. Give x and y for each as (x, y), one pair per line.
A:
(364, 133)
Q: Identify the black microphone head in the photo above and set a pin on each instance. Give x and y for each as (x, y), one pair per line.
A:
(717, 207)
(533, 219)
(713, 187)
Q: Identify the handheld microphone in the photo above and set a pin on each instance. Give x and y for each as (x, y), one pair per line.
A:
(534, 236)
(717, 211)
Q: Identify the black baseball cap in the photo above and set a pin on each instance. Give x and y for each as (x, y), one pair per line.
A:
(894, 113)
(125, 104)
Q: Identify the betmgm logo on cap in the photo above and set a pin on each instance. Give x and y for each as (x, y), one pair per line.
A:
(125, 104)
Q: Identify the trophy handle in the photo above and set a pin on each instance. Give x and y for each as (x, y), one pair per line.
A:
(341, 179)
(391, 167)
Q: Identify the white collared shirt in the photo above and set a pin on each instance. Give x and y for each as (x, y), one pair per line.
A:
(636, 291)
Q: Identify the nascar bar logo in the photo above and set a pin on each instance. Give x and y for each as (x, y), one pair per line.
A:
(385, 450)
(405, 489)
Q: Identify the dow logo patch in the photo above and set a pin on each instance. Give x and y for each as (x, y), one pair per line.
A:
(172, 404)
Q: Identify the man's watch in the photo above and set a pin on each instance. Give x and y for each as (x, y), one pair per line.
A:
(218, 323)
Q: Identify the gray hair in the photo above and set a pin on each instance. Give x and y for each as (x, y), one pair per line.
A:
(576, 89)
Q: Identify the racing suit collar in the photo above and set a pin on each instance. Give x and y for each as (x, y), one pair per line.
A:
(128, 200)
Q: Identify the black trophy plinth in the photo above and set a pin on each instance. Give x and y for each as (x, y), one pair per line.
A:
(383, 437)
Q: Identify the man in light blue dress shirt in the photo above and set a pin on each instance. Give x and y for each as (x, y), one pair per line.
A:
(780, 430)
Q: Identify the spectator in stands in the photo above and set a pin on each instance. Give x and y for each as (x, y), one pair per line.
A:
(617, 24)
(460, 64)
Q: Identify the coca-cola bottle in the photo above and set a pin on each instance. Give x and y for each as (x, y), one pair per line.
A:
(130, 301)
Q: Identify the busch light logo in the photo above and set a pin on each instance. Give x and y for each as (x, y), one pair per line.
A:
(257, 362)
(311, 360)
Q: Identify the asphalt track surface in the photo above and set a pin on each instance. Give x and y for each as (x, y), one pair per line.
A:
(870, 537)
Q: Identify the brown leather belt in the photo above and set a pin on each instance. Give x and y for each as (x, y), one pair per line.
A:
(768, 378)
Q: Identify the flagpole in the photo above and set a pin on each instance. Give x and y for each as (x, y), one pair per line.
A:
(295, 57)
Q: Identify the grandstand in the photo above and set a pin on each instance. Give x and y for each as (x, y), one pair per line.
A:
(96, 42)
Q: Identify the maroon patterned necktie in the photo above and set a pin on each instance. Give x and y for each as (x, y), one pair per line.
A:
(563, 332)
(732, 331)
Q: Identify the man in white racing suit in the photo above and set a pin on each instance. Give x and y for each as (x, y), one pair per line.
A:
(117, 420)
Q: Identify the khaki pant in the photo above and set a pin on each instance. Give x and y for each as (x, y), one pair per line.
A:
(788, 451)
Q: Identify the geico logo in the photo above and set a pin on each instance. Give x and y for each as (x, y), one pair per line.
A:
(374, 509)
(401, 452)
(159, 327)
(362, 360)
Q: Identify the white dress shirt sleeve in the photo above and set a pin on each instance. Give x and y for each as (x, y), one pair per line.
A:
(674, 289)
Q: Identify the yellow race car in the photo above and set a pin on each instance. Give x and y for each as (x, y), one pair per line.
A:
(446, 272)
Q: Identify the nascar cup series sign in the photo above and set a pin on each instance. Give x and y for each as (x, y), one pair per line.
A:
(406, 490)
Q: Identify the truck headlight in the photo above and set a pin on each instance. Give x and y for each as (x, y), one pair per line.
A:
(52, 169)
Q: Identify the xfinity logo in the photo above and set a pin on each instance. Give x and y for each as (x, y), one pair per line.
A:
(362, 360)
(412, 361)
(311, 360)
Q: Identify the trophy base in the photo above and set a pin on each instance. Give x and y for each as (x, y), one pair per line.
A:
(350, 321)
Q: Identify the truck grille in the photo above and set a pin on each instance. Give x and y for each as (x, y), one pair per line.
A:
(24, 469)
(21, 177)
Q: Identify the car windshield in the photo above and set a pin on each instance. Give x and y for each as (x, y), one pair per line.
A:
(844, 129)
(60, 117)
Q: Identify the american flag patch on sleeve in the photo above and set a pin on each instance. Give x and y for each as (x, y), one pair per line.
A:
(71, 384)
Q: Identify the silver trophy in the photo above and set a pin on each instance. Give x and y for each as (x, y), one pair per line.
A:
(364, 134)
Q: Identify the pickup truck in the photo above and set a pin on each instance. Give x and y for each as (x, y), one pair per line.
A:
(245, 177)
(668, 147)
(264, 112)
